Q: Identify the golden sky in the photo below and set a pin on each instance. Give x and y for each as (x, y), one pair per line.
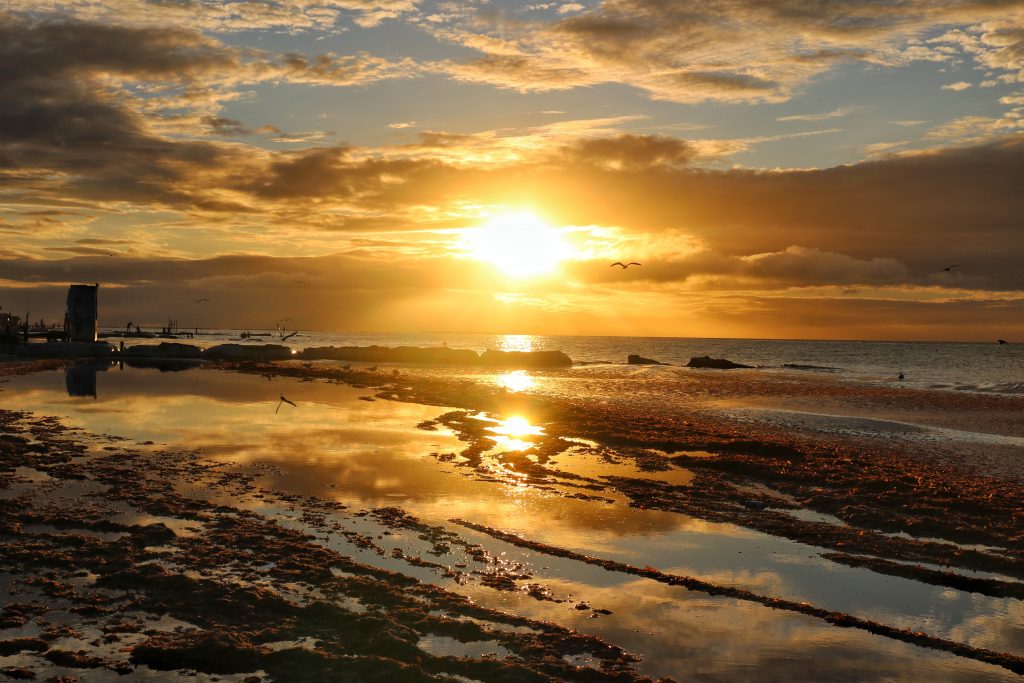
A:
(781, 168)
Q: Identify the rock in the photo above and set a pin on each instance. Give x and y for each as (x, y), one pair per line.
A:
(66, 350)
(435, 355)
(248, 352)
(715, 363)
(635, 359)
(163, 350)
(525, 359)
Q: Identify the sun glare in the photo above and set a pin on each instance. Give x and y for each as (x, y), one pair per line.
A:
(519, 244)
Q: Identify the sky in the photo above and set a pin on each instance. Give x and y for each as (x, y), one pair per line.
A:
(779, 168)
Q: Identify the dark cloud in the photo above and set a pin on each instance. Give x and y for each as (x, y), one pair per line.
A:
(331, 174)
(631, 152)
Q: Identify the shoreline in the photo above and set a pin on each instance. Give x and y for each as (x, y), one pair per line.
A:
(963, 527)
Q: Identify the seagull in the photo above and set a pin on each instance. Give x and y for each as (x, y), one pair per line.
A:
(282, 401)
(949, 268)
(1002, 341)
(199, 301)
(625, 265)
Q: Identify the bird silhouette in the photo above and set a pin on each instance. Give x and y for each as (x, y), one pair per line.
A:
(949, 268)
(199, 301)
(1002, 341)
(624, 265)
(281, 402)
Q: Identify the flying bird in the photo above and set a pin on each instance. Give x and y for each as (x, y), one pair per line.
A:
(199, 301)
(1002, 341)
(624, 265)
(281, 402)
(949, 268)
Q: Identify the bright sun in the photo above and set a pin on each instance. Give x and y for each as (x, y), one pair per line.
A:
(519, 244)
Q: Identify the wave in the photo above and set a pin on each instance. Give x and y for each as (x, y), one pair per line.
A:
(1002, 388)
(810, 368)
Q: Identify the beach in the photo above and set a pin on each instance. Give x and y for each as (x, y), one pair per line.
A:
(598, 522)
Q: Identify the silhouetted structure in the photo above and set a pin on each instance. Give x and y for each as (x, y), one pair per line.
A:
(81, 319)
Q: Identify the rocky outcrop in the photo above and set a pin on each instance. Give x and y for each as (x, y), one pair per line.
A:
(714, 363)
(163, 350)
(525, 359)
(66, 350)
(435, 355)
(635, 359)
(248, 352)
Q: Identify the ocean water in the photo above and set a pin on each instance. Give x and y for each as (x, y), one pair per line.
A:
(962, 366)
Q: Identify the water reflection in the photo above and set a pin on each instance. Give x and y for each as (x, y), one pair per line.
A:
(509, 433)
(80, 379)
(517, 380)
(370, 454)
(516, 342)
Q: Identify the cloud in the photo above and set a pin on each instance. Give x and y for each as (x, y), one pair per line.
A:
(959, 86)
(631, 152)
(293, 15)
(834, 114)
(100, 119)
(686, 52)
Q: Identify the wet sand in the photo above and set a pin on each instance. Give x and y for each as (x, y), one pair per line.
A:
(561, 531)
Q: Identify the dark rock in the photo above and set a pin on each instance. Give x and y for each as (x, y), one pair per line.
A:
(525, 359)
(66, 350)
(13, 647)
(248, 352)
(436, 355)
(715, 363)
(635, 359)
(163, 350)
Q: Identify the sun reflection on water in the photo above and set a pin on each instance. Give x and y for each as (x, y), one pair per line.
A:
(510, 433)
(517, 380)
(515, 342)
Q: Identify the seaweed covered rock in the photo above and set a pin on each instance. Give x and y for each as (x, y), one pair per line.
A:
(248, 352)
(525, 359)
(435, 355)
(714, 363)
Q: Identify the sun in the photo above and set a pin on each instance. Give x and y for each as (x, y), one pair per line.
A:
(519, 244)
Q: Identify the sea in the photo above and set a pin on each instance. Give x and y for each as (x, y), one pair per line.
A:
(956, 366)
